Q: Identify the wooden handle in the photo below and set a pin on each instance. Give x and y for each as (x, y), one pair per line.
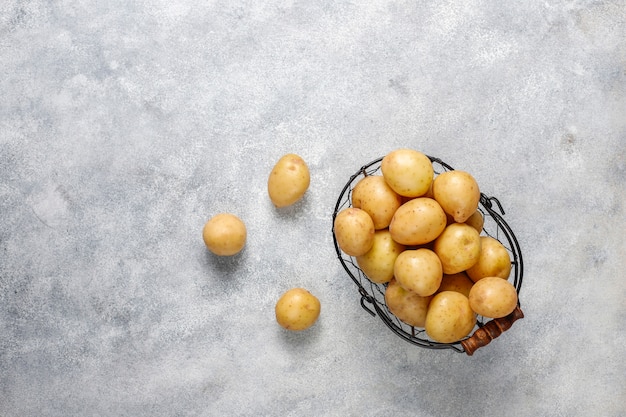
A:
(490, 331)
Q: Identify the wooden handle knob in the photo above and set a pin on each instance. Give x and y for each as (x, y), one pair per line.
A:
(490, 331)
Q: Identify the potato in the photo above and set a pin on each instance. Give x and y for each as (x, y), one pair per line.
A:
(494, 260)
(288, 180)
(297, 309)
(417, 222)
(458, 194)
(493, 297)
(376, 198)
(476, 220)
(458, 282)
(406, 305)
(224, 234)
(449, 317)
(408, 172)
(354, 231)
(377, 263)
(419, 270)
(458, 247)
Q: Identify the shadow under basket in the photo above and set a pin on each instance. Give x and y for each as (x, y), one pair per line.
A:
(373, 294)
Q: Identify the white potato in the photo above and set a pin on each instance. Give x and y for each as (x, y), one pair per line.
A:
(408, 172)
(354, 231)
(417, 222)
(377, 264)
(458, 194)
(224, 234)
(373, 195)
(493, 297)
(494, 260)
(297, 309)
(419, 270)
(288, 181)
(406, 305)
(450, 317)
(476, 220)
(458, 247)
(458, 282)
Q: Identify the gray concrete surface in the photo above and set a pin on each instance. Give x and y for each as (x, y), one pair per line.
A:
(125, 125)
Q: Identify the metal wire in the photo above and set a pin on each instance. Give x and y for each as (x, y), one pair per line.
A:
(373, 295)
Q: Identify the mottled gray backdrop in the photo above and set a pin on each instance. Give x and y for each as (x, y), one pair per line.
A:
(124, 125)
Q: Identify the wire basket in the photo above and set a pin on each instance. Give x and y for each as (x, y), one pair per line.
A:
(373, 294)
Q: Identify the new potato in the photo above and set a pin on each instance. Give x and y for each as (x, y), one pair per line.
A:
(419, 270)
(288, 181)
(406, 305)
(450, 317)
(458, 282)
(476, 220)
(458, 194)
(493, 297)
(377, 264)
(354, 231)
(224, 234)
(417, 222)
(494, 260)
(408, 172)
(297, 309)
(373, 195)
(458, 247)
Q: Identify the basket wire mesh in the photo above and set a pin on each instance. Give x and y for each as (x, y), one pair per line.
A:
(373, 294)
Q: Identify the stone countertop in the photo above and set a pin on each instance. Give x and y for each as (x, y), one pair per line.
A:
(125, 125)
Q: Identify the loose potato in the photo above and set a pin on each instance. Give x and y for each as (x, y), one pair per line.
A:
(297, 309)
(449, 317)
(419, 270)
(288, 181)
(224, 234)
(458, 194)
(417, 222)
(458, 282)
(494, 260)
(408, 172)
(373, 195)
(354, 231)
(493, 297)
(377, 264)
(458, 247)
(406, 305)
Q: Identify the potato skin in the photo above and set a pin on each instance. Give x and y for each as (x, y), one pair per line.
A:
(377, 264)
(419, 270)
(494, 260)
(417, 222)
(354, 231)
(458, 247)
(408, 172)
(476, 220)
(450, 317)
(493, 297)
(288, 181)
(373, 195)
(406, 305)
(297, 309)
(458, 282)
(224, 234)
(458, 194)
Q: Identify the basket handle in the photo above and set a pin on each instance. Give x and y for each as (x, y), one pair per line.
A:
(490, 331)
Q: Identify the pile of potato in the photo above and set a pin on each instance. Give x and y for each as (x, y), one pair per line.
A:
(419, 234)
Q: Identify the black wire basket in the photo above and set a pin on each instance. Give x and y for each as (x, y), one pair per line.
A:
(373, 294)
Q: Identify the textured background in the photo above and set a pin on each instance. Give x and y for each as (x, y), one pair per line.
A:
(125, 125)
